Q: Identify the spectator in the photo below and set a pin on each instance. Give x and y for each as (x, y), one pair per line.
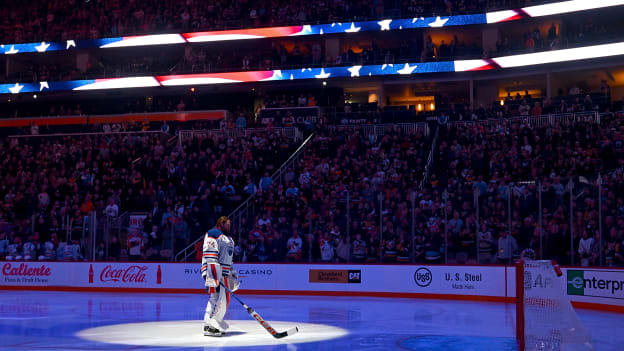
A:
(153, 238)
(507, 247)
(4, 245)
(302, 101)
(164, 127)
(241, 121)
(292, 190)
(327, 249)
(524, 108)
(135, 246)
(264, 221)
(15, 249)
(50, 247)
(585, 249)
(112, 210)
(34, 129)
(359, 249)
(250, 188)
(100, 252)
(294, 245)
(343, 250)
(265, 182)
(614, 257)
(537, 109)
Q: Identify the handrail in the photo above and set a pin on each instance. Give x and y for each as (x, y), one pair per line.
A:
(83, 134)
(95, 119)
(245, 203)
(539, 121)
(380, 129)
(429, 160)
(289, 132)
(287, 162)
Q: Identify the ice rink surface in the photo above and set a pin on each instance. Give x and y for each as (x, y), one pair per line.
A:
(32, 321)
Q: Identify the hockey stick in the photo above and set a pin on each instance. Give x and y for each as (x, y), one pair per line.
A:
(259, 319)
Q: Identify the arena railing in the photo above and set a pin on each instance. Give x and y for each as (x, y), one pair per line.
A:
(429, 165)
(188, 135)
(377, 130)
(563, 119)
(31, 136)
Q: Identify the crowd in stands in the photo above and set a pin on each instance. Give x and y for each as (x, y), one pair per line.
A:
(491, 172)
(304, 216)
(582, 31)
(525, 105)
(307, 213)
(64, 20)
(49, 183)
(276, 100)
(577, 97)
(487, 169)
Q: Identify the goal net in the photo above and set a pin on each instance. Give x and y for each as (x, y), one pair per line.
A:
(545, 318)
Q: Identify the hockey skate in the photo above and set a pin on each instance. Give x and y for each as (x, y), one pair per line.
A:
(210, 331)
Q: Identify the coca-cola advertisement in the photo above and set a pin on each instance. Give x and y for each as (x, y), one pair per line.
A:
(122, 274)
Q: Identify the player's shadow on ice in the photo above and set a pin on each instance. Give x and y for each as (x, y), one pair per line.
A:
(233, 333)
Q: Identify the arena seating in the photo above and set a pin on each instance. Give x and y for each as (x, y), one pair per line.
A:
(50, 182)
(40, 20)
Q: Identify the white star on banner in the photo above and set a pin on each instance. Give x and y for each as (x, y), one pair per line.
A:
(70, 43)
(291, 77)
(416, 19)
(355, 71)
(16, 88)
(43, 85)
(43, 47)
(322, 74)
(438, 22)
(307, 28)
(321, 31)
(12, 50)
(385, 24)
(386, 65)
(407, 69)
(353, 29)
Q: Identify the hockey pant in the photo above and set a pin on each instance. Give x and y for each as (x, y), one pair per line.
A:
(216, 307)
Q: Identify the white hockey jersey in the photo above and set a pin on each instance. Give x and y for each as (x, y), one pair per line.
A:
(218, 253)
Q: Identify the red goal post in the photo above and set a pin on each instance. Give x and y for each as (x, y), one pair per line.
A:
(545, 318)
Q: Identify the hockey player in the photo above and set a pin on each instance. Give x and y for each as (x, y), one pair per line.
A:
(217, 268)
